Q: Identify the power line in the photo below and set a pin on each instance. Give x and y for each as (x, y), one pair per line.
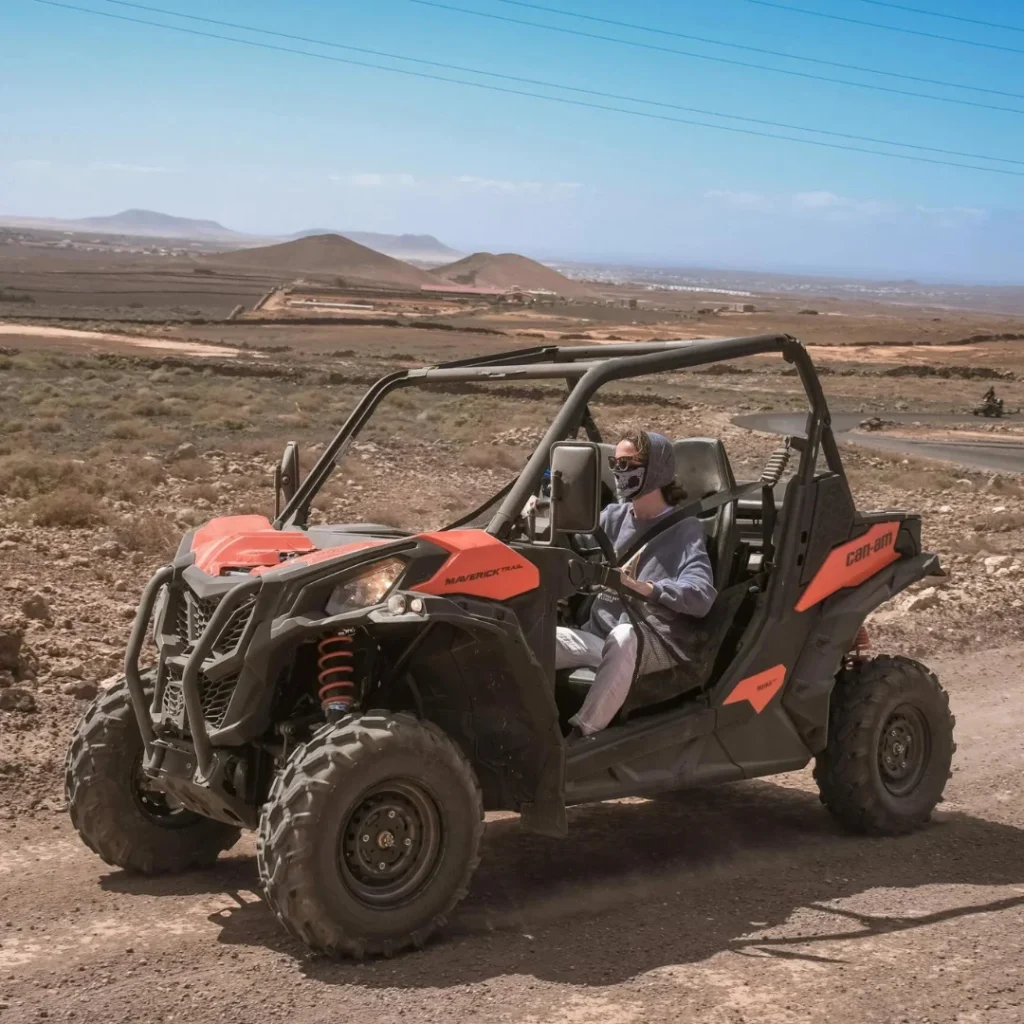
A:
(718, 60)
(569, 88)
(755, 49)
(887, 28)
(520, 92)
(941, 14)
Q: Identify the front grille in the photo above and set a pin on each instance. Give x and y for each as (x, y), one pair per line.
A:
(233, 629)
(214, 697)
(193, 614)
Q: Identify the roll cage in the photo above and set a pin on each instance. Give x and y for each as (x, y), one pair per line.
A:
(585, 369)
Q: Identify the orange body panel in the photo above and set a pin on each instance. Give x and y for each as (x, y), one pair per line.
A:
(244, 542)
(479, 565)
(323, 555)
(852, 563)
(758, 689)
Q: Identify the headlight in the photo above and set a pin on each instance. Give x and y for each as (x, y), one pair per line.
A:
(369, 588)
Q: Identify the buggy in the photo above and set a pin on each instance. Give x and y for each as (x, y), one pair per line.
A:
(360, 695)
(990, 408)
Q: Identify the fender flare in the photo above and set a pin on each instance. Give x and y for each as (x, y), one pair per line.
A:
(807, 694)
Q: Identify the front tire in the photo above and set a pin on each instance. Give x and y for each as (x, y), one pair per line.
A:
(370, 835)
(890, 745)
(119, 817)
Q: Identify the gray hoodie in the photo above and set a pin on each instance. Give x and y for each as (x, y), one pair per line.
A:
(676, 562)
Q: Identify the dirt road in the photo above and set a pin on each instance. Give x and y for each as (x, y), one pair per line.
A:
(1001, 455)
(97, 341)
(741, 904)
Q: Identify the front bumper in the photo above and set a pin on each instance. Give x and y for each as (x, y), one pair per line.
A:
(223, 643)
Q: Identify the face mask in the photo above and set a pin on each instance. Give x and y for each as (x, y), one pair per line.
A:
(629, 483)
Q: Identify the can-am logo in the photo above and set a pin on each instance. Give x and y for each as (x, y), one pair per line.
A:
(452, 581)
(862, 552)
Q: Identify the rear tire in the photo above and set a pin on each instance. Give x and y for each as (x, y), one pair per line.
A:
(370, 835)
(890, 745)
(128, 824)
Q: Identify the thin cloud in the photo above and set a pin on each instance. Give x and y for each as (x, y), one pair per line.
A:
(374, 180)
(831, 207)
(128, 168)
(536, 188)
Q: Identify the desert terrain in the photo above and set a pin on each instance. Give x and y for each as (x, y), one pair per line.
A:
(144, 393)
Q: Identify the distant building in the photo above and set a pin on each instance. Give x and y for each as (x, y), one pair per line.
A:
(454, 290)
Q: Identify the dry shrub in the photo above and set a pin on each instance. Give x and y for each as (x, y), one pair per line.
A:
(149, 534)
(191, 469)
(26, 476)
(385, 515)
(123, 430)
(67, 506)
(206, 492)
(148, 472)
(494, 456)
(998, 522)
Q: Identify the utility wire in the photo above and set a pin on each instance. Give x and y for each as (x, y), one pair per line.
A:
(753, 49)
(718, 60)
(887, 28)
(521, 92)
(941, 14)
(569, 88)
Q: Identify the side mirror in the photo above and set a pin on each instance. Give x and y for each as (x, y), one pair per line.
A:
(286, 477)
(575, 487)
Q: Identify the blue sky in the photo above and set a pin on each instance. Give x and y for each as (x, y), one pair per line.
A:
(98, 115)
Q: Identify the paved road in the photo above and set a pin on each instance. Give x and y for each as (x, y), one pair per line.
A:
(743, 904)
(996, 455)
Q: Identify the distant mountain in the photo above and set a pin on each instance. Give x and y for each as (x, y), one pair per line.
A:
(160, 225)
(510, 270)
(423, 248)
(322, 256)
(153, 224)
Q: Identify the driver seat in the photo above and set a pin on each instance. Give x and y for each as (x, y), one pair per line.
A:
(702, 470)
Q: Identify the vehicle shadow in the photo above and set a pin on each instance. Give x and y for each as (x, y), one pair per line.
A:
(645, 884)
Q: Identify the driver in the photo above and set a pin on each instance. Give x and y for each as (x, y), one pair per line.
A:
(673, 571)
(990, 395)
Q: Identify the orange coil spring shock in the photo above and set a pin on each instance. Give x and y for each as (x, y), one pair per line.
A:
(337, 687)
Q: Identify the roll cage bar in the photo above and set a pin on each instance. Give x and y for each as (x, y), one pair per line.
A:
(585, 368)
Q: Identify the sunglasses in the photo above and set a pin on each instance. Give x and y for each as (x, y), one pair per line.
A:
(621, 463)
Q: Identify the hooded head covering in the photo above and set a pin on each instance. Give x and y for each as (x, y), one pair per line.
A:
(661, 464)
(659, 471)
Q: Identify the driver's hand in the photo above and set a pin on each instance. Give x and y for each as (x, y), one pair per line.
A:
(641, 587)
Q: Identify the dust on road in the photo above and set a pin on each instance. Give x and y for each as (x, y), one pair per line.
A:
(737, 904)
(107, 341)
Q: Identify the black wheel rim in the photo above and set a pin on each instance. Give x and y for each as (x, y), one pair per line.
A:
(158, 807)
(391, 843)
(903, 750)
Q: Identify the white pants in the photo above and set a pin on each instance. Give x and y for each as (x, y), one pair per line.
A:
(614, 658)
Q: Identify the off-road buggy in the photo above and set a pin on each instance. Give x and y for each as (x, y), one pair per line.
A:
(360, 695)
(990, 408)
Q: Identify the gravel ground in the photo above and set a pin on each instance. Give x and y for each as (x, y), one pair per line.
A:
(738, 905)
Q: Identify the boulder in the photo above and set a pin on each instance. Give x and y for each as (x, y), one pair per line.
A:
(36, 607)
(10, 647)
(185, 451)
(80, 688)
(17, 699)
(927, 598)
(994, 562)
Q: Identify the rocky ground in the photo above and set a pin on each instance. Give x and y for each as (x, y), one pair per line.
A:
(770, 915)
